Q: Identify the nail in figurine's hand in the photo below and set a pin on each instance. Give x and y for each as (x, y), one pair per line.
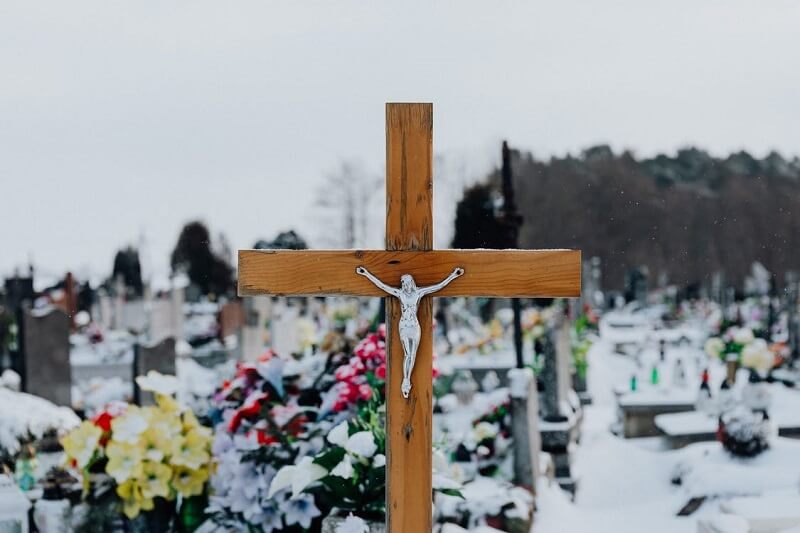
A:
(361, 270)
(459, 271)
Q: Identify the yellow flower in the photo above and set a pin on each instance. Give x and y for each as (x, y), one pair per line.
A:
(155, 480)
(124, 461)
(190, 450)
(189, 420)
(154, 445)
(190, 482)
(166, 424)
(133, 501)
(167, 403)
(190, 423)
(81, 442)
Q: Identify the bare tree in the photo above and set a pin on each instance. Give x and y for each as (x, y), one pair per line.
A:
(343, 206)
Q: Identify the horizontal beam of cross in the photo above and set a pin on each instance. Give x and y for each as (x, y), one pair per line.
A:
(495, 273)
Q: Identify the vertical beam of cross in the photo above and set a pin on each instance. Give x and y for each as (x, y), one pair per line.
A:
(409, 226)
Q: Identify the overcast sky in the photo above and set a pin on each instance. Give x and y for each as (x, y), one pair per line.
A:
(122, 120)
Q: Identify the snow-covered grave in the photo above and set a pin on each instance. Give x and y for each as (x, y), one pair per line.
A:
(25, 418)
(635, 485)
(695, 426)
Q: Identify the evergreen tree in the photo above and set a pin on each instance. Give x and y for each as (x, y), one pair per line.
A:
(194, 256)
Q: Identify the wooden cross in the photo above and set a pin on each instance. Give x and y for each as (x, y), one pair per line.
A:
(409, 250)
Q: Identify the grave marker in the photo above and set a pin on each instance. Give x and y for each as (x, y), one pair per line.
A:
(159, 357)
(409, 242)
(44, 359)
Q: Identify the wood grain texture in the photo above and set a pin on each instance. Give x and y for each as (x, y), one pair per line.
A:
(409, 226)
(498, 273)
(409, 176)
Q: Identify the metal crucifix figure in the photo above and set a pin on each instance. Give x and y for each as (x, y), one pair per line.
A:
(409, 295)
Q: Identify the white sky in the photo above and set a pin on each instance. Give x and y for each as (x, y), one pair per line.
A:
(123, 119)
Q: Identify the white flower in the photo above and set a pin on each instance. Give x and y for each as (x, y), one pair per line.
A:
(128, 427)
(352, 524)
(338, 435)
(484, 430)
(344, 469)
(297, 476)
(361, 444)
(439, 461)
(758, 356)
(379, 460)
(300, 511)
(442, 482)
(743, 335)
(714, 347)
(159, 383)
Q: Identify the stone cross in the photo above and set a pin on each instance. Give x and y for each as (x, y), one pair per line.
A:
(409, 251)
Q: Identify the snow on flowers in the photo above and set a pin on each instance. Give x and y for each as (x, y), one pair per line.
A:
(150, 452)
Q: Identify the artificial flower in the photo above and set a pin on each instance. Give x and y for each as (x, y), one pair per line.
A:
(483, 431)
(379, 460)
(297, 476)
(361, 444)
(300, 510)
(128, 427)
(339, 434)
(81, 443)
(189, 482)
(133, 501)
(344, 469)
(190, 450)
(714, 347)
(124, 461)
(154, 445)
(155, 479)
(758, 356)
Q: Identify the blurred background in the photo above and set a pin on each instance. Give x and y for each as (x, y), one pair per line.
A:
(143, 144)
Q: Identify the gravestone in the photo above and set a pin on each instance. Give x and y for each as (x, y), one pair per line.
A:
(284, 328)
(103, 311)
(165, 316)
(253, 334)
(159, 357)
(559, 425)
(525, 427)
(44, 355)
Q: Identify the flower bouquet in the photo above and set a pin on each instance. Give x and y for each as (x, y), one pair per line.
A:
(142, 461)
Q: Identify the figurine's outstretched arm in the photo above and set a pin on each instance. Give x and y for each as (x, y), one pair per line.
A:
(442, 284)
(378, 283)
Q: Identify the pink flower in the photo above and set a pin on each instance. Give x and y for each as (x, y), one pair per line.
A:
(365, 391)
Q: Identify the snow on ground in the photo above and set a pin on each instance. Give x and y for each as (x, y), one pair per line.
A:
(625, 485)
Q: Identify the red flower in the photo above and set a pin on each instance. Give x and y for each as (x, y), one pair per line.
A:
(249, 410)
(103, 420)
(264, 438)
(380, 372)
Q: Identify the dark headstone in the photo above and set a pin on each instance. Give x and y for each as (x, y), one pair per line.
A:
(551, 401)
(159, 357)
(44, 355)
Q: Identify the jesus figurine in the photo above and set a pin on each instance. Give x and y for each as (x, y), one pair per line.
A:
(409, 295)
